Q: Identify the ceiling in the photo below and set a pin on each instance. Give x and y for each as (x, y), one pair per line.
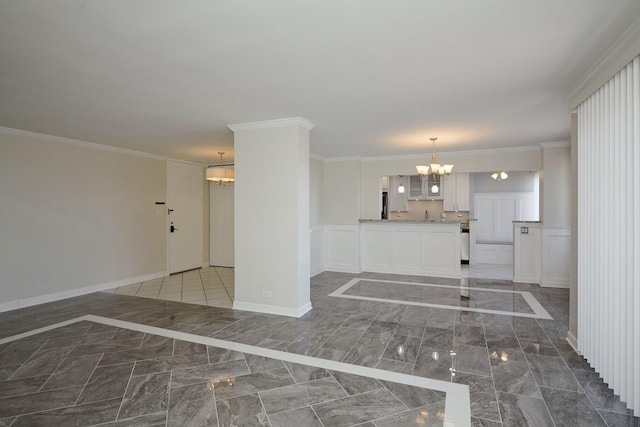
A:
(377, 78)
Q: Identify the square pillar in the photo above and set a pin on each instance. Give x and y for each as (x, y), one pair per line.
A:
(272, 244)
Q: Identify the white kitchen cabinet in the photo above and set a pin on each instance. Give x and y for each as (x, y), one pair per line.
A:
(398, 201)
(455, 188)
(420, 189)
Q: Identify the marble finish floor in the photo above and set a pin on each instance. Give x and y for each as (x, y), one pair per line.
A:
(211, 286)
(520, 371)
(90, 373)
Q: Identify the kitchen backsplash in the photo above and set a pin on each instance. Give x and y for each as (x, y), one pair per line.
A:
(434, 207)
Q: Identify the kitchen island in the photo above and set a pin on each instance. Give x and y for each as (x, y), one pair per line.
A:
(424, 248)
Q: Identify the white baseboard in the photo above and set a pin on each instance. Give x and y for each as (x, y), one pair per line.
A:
(316, 271)
(272, 309)
(338, 269)
(526, 279)
(57, 296)
(554, 283)
(573, 341)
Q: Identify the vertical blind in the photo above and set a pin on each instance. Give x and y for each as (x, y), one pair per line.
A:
(608, 279)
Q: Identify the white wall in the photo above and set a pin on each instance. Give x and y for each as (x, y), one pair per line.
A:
(555, 203)
(74, 216)
(316, 190)
(342, 191)
(517, 182)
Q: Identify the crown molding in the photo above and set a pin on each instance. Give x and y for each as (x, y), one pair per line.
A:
(614, 59)
(557, 144)
(343, 159)
(300, 121)
(62, 140)
(527, 148)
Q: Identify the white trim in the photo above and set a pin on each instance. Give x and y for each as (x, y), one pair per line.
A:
(573, 341)
(610, 63)
(558, 144)
(343, 159)
(62, 140)
(539, 311)
(57, 296)
(300, 121)
(272, 309)
(457, 399)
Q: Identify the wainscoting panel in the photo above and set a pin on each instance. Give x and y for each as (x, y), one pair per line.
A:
(556, 256)
(342, 249)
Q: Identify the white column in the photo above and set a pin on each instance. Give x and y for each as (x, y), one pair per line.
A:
(272, 216)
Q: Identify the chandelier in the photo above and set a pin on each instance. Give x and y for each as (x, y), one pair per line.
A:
(220, 174)
(434, 168)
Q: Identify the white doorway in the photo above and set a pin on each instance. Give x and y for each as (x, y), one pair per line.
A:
(186, 217)
(221, 231)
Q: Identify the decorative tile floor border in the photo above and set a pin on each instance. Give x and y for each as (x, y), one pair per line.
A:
(538, 310)
(457, 402)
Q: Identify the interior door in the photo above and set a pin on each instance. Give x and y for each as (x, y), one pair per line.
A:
(186, 219)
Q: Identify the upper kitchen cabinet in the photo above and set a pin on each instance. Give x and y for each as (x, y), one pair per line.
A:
(397, 200)
(420, 189)
(455, 188)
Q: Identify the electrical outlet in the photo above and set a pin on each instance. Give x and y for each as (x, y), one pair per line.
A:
(266, 293)
(41, 288)
(524, 230)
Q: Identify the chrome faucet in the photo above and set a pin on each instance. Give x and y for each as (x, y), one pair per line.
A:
(426, 214)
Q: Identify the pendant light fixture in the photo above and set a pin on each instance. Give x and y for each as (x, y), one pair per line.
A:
(220, 174)
(434, 168)
(499, 176)
(401, 186)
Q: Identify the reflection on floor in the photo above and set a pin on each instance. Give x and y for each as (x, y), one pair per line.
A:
(212, 286)
(488, 271)
(520, 371)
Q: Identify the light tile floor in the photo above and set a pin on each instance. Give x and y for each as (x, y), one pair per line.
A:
(212, 286)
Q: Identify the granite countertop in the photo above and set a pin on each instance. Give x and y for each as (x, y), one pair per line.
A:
(527, 222)
(407, 221)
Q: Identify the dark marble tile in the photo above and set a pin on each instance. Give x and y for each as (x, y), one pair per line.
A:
(410, 330)
(414, 397)
(468, 318)
(343, 339)
(37, 402)
(482, 422)
(202, 374)
(396, 366)
(304, 373)
(569, 408)
(242, 411)
(355, 384)
(415, 315)
(502, 348)
(517, 410)
(437, 338)
(325, 353)
(21, 386)
(159, 419)
(273, 344)
(571, 358)
(366, 352)
(79, 340)
(6, 422)
(296, 418)
(402, 348)
(259, 363)
(252, 383)
(186, 348)
(435, 364)
(600, 395)
(79, 415)
(298, 395)
(126, 334)
(167, 363)
(359, 321)
(551, 371)
(497, 324)
(469, 335)
(145, 394)
(217, 355)
(105, 347)
(42, 362)
(6, 371)
(613, 419)
(191, 405)
(484, 403)
(538, 348)
(432, 416)
(72, 371)
(471, 359)
(514, 377)
(359, 408)
(107, 382)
